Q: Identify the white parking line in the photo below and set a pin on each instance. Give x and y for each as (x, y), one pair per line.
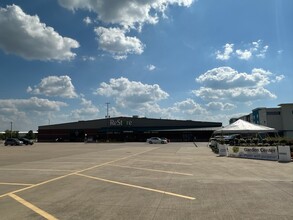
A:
(153, 161)
(138, 187)
(153, 170)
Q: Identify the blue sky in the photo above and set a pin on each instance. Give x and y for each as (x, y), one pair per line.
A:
(207, 60)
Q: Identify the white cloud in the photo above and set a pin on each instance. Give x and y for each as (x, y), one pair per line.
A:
(87, 20)
(262, 52)
(244, 54)
(151, 67)
(26, 36)
(235, 94)
(226, 77)
(54, 86)
(124, 15)
(220, 106)
(278, 78)
(228, 50)
(23, 112)
(225, 83)
(132, 94)
(189, 107)
(114, 41)
(249, 51)
(88, 58)
(129, 14)
(87, 111)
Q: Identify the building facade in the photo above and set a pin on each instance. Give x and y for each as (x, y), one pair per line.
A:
(280, 118)
(128, 129)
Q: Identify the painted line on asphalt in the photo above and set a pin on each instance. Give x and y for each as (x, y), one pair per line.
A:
(152, 161)
(33, 207)
(29, 169)
(153, 170)
(17, 184)
(169, 156)
(38, 184)
(73, 173)
(138, 187)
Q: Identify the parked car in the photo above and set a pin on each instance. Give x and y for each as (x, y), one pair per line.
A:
(26, 141)
(12, 142)
(166, 139)
(156, 140)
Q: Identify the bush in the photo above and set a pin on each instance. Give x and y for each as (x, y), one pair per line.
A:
(214, 148)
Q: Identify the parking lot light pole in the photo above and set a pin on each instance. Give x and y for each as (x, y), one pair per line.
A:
(10, 129)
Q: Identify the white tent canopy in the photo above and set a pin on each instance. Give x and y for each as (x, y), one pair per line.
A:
(241, 126)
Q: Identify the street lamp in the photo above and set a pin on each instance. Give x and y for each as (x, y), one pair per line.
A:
(108, 123)
(11, 129)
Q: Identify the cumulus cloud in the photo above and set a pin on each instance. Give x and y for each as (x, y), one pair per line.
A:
(115, 42)
(121, 17)
(225, 83)
(23, 112)
(220, 106)
(54, 86)
(226, 77)
(129, 14)
(189, 107)
(151, 67)
(244, 54)
(88, 58)
(132, 94)
(225, 55)
(26, 36)
(87, 111)
(87, 20)
(32, 104)
(254, 49)
(236, 94)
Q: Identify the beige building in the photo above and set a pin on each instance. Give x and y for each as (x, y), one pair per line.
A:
(280, 118)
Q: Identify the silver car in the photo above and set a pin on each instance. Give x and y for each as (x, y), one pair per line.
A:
(156, 140)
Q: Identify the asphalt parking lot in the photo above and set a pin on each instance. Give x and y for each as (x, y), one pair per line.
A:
(139, 181)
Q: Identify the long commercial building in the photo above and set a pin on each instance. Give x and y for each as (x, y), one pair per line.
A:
(128, 129)
(280, 118)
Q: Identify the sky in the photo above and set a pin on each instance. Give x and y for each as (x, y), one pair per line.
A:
(204, 60)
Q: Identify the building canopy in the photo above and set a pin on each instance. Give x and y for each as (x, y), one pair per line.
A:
(241, 126)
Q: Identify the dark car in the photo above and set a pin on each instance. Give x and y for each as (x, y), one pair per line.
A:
(26, 141)
(12, 142)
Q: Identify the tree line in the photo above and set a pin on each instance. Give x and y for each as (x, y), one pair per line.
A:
(15, 134)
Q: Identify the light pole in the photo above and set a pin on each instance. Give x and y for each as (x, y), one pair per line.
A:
(108, 122)
(11, 129)
(107, 103)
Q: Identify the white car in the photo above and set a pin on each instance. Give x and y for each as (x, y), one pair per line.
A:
(156, 140)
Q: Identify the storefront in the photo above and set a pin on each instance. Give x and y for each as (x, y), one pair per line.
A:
(127, 129)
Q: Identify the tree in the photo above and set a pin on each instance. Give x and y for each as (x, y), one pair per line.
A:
(30, 135)
(13, 134)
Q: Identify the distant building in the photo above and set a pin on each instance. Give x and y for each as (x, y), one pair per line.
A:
(280, 118)
(128, 129)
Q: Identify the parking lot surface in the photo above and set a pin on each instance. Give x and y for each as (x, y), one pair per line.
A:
(139, 181)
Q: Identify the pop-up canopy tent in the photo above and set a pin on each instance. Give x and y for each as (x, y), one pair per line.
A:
(241, 126)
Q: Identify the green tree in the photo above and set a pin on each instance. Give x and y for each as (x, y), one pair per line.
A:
(13, 134)
(30, 135)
